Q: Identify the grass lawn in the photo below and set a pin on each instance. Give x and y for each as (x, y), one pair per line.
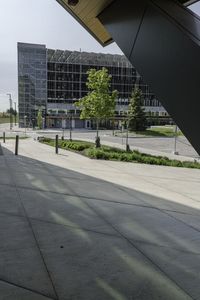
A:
(110, 153)
(160, 131)
(4, 120)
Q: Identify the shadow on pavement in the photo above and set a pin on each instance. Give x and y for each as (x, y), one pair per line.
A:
(65, 235)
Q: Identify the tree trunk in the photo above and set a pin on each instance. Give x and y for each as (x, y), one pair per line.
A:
(127, 144)
(97, 141)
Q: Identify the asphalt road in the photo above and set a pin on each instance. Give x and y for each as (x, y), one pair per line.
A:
(162, 144)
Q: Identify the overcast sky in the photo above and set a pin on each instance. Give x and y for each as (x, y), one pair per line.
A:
(43, 22)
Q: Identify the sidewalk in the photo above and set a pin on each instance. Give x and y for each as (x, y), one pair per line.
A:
(75, 228)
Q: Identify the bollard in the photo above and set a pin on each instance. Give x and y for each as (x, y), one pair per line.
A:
(56, 144)
(4, 137)
(16, 145)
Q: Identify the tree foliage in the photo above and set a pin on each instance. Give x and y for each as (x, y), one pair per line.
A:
(99, 103)
(11, 111)
(136, 114)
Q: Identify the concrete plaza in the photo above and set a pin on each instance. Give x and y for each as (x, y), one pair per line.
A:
(75, 228)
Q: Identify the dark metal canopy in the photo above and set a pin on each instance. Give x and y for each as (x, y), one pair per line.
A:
(86, 12)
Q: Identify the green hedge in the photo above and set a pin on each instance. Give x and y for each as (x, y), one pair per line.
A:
(66, 144)
(77, 146)
(112, 153)
(135, 156)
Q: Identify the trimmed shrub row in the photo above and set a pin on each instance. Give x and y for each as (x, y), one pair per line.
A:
(76, 146)
(111, 153)
(135, 156)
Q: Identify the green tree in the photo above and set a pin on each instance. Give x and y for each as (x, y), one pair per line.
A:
(39, 119)
(99, 103)
(11, 111)
(136, 115)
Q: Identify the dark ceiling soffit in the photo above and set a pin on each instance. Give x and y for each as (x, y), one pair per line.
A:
(190, 2)
(108, 42)
(79, 20)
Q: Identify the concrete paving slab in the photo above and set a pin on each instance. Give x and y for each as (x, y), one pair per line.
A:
(86, 188)
(62, 209)
(18, 167)
(148, 225)
(9, 201)
(6, 178)
(193, 196)
(13, 292)
(20, 259)
(3, 164)
(92, 266)
(191, 220)
(40, 182)
(66, 173)
(15, 233)
(177, 202)
(24, 267)
(183, 187)
(182, 267)
(102, 190)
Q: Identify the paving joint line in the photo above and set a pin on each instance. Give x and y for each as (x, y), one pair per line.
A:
(33, 233)
(136, 247)
(166, 212)
(86, 197)
(96, 232)
(110, 201)
(104, 200)
(26, 289)
(76, 227)
(142, 252)
(61, 176)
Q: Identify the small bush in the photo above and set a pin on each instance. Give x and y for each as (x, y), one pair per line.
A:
(125, 157)
(77, 146)
(114, 155)
(97, 153)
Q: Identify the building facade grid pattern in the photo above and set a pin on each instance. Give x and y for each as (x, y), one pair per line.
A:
(52, 80)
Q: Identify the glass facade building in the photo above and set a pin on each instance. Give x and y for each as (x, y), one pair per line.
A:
(32, 82)
(54, 79)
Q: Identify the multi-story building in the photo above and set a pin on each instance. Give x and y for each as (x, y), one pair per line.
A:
(32, 81)
(53, 80)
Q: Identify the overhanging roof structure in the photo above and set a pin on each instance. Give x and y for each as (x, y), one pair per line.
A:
(161, 39)
(86, 12)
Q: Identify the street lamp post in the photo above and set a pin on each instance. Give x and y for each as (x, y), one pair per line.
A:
(15, 114)
(70, 126)
(127, 144)
(10, 100)
(25, 124)
(33, 123)
(175, 140)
